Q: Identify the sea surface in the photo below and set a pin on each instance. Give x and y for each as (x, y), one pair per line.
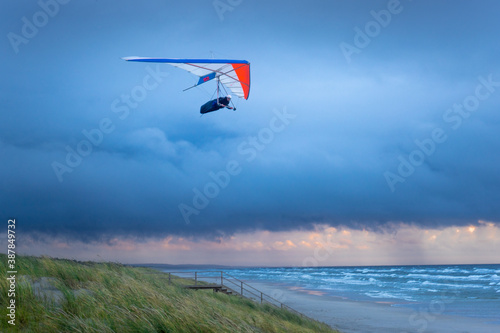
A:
(463, 290)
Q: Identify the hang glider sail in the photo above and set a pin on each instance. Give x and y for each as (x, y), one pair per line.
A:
(234, 74)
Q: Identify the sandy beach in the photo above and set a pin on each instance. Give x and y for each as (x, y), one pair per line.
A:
(356, 316)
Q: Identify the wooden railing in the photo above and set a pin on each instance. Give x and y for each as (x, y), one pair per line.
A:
(223, 279)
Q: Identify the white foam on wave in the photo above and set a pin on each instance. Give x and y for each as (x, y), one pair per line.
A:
(457, 285)
(382, 294)
(450, 277)
(347, 281)
(483, 270)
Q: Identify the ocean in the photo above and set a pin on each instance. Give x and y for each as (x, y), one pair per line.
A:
(460, 290)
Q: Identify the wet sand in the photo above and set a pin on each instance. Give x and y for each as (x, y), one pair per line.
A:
(356, 316)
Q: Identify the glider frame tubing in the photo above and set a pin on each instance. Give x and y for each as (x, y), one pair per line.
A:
(217, 90)
(231, 101)
(218, 76)
(218, 83)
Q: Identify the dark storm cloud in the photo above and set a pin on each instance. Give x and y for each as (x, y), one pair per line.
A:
(88, 152)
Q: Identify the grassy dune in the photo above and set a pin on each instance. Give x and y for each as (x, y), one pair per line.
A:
(54, 295)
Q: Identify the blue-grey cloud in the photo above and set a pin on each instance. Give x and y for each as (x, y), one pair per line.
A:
(88, 152)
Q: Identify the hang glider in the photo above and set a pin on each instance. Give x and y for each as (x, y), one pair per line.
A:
(233, 74)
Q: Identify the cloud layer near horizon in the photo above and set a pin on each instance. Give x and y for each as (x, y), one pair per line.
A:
(322, 246)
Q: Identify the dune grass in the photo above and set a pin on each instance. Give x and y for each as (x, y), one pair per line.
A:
(110, 297)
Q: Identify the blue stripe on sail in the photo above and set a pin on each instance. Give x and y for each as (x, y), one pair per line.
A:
(187, 61)
(206, 78)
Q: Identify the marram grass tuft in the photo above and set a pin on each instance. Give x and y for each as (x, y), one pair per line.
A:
(56, 295)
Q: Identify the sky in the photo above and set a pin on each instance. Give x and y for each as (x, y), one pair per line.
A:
(371, 134)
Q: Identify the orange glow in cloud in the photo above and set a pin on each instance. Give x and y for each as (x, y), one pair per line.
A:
(178, 244)
(397, 244)
(61, 245)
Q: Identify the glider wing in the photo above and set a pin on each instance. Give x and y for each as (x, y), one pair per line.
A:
(234, 74)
